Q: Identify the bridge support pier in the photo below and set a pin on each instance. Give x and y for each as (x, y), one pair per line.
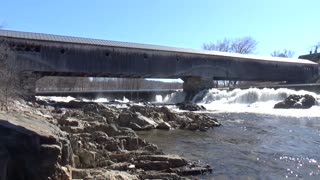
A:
(193, 85)
(28, 84)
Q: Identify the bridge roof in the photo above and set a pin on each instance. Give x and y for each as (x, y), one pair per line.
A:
(99, 42)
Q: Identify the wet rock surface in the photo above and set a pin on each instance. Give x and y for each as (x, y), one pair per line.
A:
(189, 106)
(297, 102)
(94, 141)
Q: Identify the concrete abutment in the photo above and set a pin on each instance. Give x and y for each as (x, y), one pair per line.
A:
(28, 84)
(193, 85)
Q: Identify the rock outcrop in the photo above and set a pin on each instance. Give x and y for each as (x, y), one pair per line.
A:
(85, 140)
(168, 119)
(297, 102)
(31, 148)
(104, 139)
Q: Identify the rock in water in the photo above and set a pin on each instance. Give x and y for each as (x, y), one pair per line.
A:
(297, 102)
(136, 121)
(189, 106)
(164, 125)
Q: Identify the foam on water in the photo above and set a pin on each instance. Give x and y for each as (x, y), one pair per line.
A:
(175, 97)
(159, 99)
(251, 100)
(124, 100)
(101, 100)
(56, 98)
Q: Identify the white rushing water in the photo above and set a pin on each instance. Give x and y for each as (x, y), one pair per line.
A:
(56, 98)
(251, 100)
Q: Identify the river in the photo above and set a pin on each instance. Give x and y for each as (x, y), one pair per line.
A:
(254, 141)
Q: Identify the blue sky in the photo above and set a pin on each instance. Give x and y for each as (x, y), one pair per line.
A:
(275, 24)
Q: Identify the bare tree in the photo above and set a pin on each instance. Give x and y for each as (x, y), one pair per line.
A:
(244, 45)
(9, 86)
(284, 53)
(223, 46)
(316, 47)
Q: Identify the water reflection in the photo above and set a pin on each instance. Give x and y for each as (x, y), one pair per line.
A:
(250, 146)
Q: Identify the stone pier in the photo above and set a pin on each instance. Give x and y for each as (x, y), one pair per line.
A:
(193, 85)
(28, 84)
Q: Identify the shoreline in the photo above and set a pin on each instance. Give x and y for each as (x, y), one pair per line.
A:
(92, 140)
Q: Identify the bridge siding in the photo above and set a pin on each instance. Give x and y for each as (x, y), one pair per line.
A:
(69, 58)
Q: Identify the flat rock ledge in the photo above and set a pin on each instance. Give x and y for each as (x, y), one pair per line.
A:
(92, 141)
(31, 148)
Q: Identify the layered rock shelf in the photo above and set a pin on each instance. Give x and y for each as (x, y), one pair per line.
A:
(85, 140)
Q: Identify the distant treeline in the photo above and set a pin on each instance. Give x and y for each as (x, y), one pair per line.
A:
(85, 83)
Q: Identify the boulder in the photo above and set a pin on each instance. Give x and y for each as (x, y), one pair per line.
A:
(142, 120)
(31, 148)
(144, 110)
(297, 102)
(135, 126)
(164, 125)
(101, 174)
(87, 159)
(68, 121)
(120, 157)
(173, 160)
(194, 171)
(308, 101)
(72, 129)
(110, 114)
(160, 175)
(124, 119)
(136, 121)
(99, 137)
(71, 104)
(93, 108)
(124, 166)
(189, 106)
(153, 165)
(132, 143)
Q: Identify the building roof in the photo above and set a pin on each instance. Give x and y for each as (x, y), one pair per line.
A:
(99, 42)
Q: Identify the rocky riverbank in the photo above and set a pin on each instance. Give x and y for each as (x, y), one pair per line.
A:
(85, 140)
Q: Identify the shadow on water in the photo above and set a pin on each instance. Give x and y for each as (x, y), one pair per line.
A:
(250, 146)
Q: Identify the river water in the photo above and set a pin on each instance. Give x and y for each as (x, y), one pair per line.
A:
(255, 141)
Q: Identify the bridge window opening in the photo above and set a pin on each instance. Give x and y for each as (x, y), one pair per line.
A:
(65, 84)
(24, 47)
(107, 54)
(19, 48)
(62, 51)
(37, 49)
(145, 56)
(27, 48)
